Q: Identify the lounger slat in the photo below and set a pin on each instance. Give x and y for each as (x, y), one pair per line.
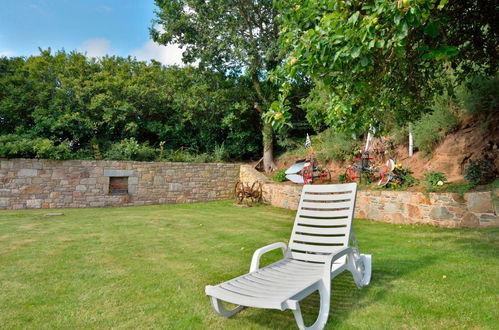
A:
(266, 273)
(298, 267)
(259, 292)
(314, 248)
(304, 264)
(319, 239)
(326, 205)
(303, 273)
(327, 188)
(325, 213)
(321, 230)
(309, 257)
(265, 289)
(241, 299)
(266, 282)
(274, 273)
(328, 198)
(323, 222)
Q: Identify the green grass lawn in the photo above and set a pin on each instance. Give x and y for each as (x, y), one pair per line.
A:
(146, 267)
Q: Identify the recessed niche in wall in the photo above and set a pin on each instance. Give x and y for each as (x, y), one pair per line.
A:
(118, 185)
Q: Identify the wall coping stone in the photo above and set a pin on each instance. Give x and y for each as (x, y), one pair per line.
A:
(111, 172)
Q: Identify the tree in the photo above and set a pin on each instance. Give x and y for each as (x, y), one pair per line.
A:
(382, 61)
(52, 102)
(229, 36)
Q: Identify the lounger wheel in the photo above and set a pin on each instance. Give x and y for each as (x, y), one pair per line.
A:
(221, 310)
(362, 273)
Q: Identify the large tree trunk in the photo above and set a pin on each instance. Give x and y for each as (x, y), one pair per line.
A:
(268, 147)
(267, 130)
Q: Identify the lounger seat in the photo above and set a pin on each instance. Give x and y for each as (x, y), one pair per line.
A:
(271, 286)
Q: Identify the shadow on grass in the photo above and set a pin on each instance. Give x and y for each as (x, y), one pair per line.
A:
(346, 298)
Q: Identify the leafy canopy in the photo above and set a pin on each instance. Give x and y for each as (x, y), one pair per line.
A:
(226, 35)
(373, 61)
(86, 106)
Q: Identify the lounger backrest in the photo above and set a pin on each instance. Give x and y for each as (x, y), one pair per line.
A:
(323, 221)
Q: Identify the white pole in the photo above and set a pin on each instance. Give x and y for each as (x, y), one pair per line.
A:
(410, 141)
(367, 141)
(369, 137)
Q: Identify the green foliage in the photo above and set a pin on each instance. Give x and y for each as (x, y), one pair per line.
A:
(431, 180)
(376, 62)
(493, 185)
(343, 178)
(182, 156)
(406, 179)
(222, 34)
(336, 146)
(432, 127)
(280, 176)
(459, 188)
(480, 171)
(481, 96)
(18, 146)
(130, 149)
(95, 104)
(228, 37)
(220, 153)
(400, 134)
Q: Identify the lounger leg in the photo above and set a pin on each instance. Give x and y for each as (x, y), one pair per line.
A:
(325, 292)
(220, 309)
(361, 279)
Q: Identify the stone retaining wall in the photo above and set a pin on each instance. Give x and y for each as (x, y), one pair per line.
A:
(37, 183)
(474, 209)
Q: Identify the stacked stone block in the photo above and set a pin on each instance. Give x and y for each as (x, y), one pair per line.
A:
(36, 183)
(474, 209)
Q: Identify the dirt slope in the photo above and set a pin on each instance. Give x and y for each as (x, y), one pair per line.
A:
(470, 141)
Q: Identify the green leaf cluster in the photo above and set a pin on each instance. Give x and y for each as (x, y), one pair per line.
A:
(123, 108)
(432, 127)
(379, 63)
(480, 171)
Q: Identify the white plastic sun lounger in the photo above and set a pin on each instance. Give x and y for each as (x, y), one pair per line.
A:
(318, 251)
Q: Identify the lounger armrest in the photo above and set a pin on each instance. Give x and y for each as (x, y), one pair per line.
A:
(255, 261)
(328, 264)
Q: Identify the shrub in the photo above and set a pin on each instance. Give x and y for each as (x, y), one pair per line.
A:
(405, 176)
(481, 97)
(343, 178)
(402, 180)
(178, 156)
(18, 146)
(130, 149)
(202, 158)
(280, 176)
(480, 171)
(432, 178)
(220, 153)
(400, 134)
(336, 146)
(429, 130)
